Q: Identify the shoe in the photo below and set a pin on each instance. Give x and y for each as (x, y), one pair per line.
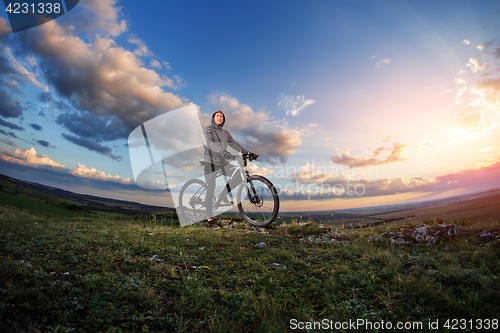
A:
(226, 201)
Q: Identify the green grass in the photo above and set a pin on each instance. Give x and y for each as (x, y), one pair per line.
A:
(34, 205)
(46, 204)
(148, 274)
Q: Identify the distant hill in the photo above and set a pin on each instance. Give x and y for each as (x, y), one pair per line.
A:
(43, 198)
(474, 206)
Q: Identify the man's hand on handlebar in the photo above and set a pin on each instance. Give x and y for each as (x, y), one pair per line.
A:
(228, 156)
(251, 156)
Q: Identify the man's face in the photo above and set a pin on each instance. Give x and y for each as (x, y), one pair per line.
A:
(218, 118)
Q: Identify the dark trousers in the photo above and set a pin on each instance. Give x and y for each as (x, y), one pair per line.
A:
(210, 180)
(211, 173)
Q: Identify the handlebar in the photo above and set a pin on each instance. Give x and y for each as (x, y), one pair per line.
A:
(247, 156)
(250, 156)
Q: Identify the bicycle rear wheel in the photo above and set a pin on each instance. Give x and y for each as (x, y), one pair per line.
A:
(258, 201)
(192, 200)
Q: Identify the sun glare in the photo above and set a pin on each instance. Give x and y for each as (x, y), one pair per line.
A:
(459, 134)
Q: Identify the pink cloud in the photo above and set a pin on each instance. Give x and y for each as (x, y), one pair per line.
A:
(487, 176)
(366, 161)
(470, 180)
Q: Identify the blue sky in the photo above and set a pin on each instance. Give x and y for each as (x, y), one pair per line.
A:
(397, 99)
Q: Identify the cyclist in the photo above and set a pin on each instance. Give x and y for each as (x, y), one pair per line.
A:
(216, 156)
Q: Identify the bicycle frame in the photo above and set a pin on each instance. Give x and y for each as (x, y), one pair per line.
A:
(239, 170)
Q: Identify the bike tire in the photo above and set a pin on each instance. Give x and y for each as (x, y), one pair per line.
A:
(265, 210)
(193, 210)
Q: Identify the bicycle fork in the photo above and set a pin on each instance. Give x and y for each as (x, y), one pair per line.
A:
(251, 192)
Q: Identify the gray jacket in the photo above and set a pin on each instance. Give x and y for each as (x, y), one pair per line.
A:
(217, 140)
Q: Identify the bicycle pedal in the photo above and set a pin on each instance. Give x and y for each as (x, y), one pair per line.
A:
(226, 202)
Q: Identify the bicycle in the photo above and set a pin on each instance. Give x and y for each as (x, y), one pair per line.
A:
(257, 198)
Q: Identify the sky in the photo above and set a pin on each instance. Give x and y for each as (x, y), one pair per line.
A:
(348, 103)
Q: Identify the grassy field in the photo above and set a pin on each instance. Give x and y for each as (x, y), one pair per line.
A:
(82, 274)
(35, 205)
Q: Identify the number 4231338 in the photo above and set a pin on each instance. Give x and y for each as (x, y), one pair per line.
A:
(33, 8)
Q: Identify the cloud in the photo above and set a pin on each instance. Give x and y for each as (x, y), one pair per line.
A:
(109, 89)
(10, 107)
(389, 186)
(256, 130)
(10, 125)
(423, 143)
(7, 72)
(31, 158)
(378, 151)
(366, 161)
(99, 17)
(101, 78)
(91, 173)
(50, 103)
(141, 48)
(155, 64)
(487, 149)
(477, 65)
(44, 143)
(327, 184)
(11, 134)
(383, 62)
(28, 157)
(91, 145)
(62, 178)
(36, 127)
(487, 175)
(4, 28)
(8, 142)
(23, 72)
(255, 169)
(97, 128)
(489, 92)
(471, 122)
(333, 184)
(309, 174)
(294, 104)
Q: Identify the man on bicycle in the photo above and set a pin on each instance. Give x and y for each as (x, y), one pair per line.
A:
(216, 156)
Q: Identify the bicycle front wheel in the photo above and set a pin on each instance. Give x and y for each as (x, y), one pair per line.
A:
(258, 201)
(192, 200)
